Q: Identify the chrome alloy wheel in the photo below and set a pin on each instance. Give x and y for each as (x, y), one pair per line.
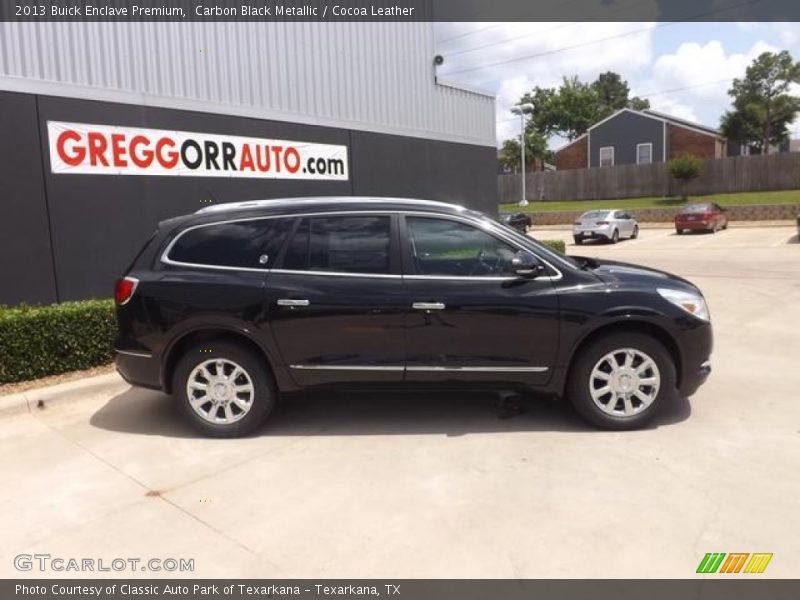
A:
(624, 382)
(220, 391)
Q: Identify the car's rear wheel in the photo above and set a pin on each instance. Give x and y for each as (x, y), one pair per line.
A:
(620, 381)
(224, 389)
(578, 240)
(635, 233)
(615, 237)
(678, 231)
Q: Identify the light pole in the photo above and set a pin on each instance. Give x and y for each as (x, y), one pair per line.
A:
(521, 109)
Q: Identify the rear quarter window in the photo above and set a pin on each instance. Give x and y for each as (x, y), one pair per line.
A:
(241, 244)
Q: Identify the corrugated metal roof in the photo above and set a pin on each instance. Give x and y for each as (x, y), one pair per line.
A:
(370, 76)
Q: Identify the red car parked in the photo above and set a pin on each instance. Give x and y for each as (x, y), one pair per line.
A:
(706, 216)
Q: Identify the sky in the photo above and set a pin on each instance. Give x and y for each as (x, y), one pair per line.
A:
(684, 69)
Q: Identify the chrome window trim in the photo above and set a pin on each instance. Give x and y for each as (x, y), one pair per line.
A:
(462, 278)
(487, 226)
(337, 274)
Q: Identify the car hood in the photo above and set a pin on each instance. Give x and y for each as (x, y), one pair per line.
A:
(620, 274)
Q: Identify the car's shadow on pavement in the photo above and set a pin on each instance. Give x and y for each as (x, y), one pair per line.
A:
(330, 413)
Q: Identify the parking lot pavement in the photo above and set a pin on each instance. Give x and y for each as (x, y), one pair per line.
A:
(359, 485)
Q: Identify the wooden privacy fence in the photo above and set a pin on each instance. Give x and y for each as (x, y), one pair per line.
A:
(720, 176)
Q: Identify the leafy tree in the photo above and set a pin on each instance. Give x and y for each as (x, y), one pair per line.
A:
(685, 168)
(613, 93)
(763, 107)
(570, 109)
(535, 148)
(576, 108)
(543, 118)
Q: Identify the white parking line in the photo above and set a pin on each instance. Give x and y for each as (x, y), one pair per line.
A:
(649, 238)
(783, 241)
(710, 237)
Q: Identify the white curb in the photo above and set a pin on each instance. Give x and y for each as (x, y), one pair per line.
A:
(28, 401)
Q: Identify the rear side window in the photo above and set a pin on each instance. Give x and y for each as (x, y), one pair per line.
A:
(340, 244)
(243, 244)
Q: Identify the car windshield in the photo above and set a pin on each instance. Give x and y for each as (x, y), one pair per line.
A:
(695, 208)
(595, 214)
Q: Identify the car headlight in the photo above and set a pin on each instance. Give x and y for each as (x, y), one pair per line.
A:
(688, 301)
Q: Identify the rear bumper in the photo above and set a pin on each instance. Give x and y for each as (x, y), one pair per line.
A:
(693, 225)
(138, 368)
(597, 234)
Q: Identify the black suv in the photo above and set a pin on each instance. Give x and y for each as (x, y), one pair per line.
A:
(231, 306)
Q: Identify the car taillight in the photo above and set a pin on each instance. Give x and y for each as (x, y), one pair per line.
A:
(602, 223)
(124, 289)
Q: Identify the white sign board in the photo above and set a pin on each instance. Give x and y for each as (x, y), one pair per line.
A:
(77, 148)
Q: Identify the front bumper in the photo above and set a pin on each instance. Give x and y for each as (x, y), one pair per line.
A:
(138, 368)
(693, 380)
(696, 345)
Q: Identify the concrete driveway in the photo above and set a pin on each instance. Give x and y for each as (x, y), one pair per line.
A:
(358, 485)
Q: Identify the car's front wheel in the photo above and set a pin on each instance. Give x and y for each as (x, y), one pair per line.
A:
(615, 237)
(578, 240)
(621, 380)
(224, 389)
(635, 233)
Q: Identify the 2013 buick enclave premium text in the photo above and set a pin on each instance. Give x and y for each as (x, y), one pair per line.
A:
(231, 306)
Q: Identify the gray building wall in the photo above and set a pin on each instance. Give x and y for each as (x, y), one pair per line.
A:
(624, 132)
(367, 86)
(69, 236)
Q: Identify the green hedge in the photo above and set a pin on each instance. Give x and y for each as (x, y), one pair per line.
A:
(36, 341)
(557, 245)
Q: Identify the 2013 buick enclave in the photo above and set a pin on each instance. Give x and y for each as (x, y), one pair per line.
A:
(228, 307)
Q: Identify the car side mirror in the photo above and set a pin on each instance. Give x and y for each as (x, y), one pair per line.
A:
(526, 264)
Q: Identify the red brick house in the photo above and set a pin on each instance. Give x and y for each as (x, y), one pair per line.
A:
(639, 137)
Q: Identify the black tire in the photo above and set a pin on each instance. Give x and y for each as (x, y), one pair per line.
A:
(578, 385)
(678, 231)
(578, 240)
(264, 395)
(615, 237)
(635, 233)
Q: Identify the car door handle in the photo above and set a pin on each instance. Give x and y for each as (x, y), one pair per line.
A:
(292, 302)
(428, 305)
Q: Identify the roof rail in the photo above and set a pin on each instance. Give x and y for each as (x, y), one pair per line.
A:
(247, 204)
